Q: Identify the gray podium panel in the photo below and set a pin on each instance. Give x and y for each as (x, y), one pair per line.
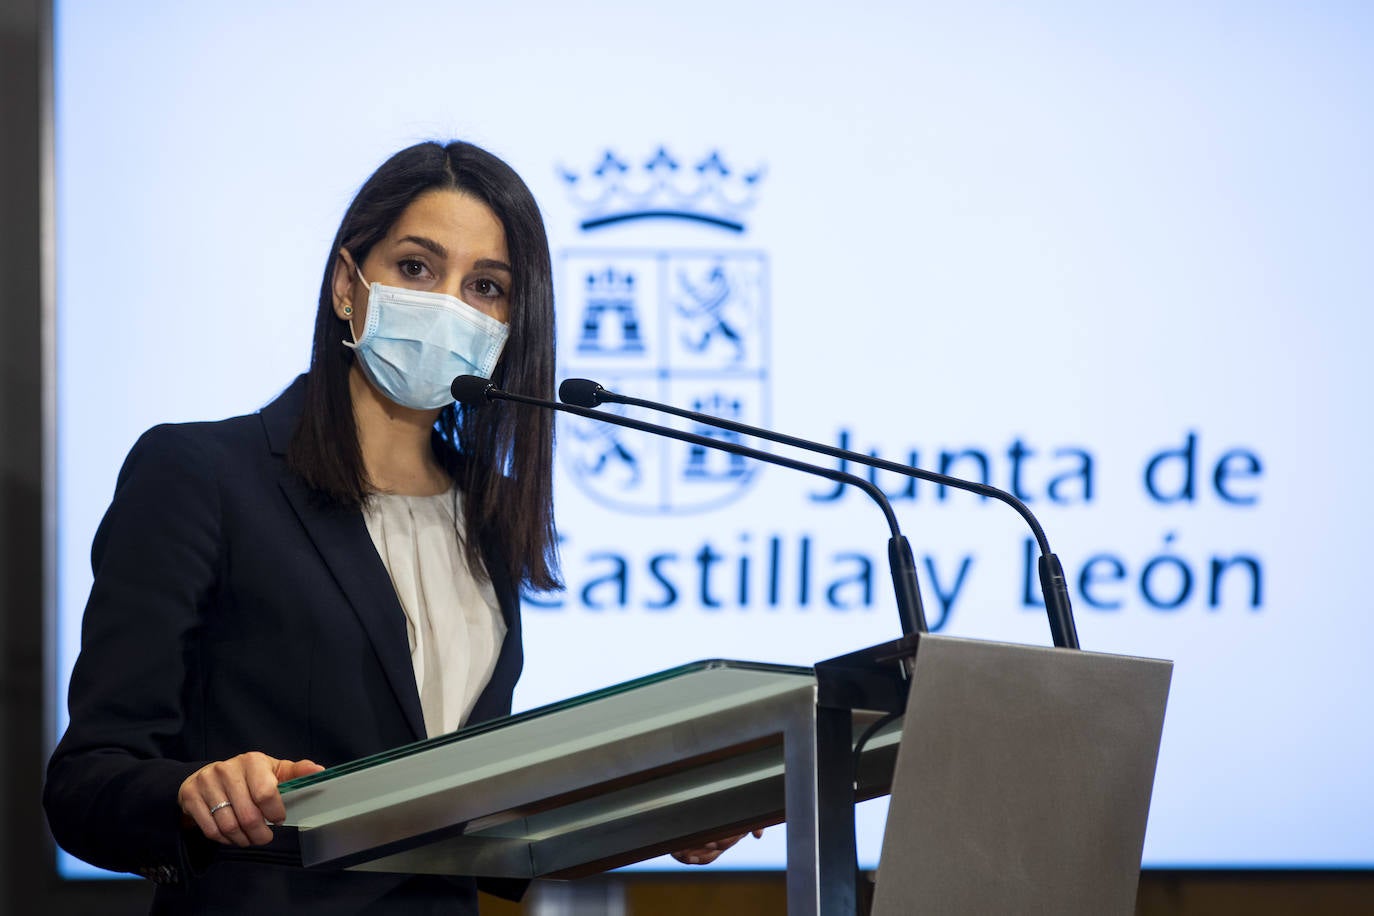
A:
(1023, 785)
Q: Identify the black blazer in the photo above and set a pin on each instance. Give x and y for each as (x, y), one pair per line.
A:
(234, 611)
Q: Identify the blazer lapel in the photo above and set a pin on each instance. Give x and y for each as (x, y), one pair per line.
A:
(341, 537)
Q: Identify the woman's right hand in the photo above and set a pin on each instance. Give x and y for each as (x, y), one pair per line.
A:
(248, 783)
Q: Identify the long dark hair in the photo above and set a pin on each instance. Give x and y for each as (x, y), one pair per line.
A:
(501, 458)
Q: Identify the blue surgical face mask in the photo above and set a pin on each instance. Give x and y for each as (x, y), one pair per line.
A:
(415, 343)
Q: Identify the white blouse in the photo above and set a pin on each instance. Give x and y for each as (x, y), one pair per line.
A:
(453, 620)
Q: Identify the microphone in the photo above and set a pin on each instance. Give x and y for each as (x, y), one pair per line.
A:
(586, 393)
(470, 390)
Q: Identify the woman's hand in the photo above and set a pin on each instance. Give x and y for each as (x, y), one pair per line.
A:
(236, 801)
(705, 855)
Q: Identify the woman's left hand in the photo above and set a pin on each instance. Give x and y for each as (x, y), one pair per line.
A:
(705, 855)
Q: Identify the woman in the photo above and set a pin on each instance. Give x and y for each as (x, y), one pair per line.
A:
(333, 576)
(271, 590)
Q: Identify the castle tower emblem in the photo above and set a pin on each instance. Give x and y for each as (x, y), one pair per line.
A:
(610, 320)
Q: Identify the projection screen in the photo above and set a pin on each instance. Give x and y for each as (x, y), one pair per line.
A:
(1111, 258)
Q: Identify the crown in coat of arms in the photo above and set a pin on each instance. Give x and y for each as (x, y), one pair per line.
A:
(708, 191)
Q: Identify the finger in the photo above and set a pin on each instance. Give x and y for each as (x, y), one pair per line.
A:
(723, 844)
(227, 824)
(758, 834)
(205, 791)
(202, 793)
(251, 826)
(261, 779)
(195, 808)
(709, 852)
(295, 769)
(222, 813)
(273, 808)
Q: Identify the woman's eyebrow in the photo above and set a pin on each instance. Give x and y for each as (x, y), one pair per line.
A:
(442, 252)
(428, 244)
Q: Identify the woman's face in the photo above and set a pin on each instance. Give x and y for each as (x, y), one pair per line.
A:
(444, 242)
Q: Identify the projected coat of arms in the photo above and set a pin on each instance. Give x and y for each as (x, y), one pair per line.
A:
(683, 325)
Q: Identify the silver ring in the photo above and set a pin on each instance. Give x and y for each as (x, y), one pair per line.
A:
(223, 804)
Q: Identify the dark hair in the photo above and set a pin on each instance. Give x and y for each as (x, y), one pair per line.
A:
(500, 455)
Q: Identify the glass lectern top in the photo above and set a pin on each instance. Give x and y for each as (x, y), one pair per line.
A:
(713, 679)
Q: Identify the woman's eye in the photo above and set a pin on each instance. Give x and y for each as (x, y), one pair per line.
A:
(412, 269)
(489, 289)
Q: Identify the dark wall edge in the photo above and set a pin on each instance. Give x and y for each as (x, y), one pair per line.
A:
(28, 877)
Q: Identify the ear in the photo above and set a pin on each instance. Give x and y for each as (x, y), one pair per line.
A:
(344, 275)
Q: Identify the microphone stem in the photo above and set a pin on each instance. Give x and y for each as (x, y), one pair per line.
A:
(846, 455)
(708, 442)
(1053, 585)
(902, 565)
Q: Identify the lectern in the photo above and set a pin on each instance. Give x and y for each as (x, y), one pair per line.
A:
(1020, 779)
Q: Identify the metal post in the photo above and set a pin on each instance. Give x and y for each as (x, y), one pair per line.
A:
(835, 798)
(819, 791)
(803, 814)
